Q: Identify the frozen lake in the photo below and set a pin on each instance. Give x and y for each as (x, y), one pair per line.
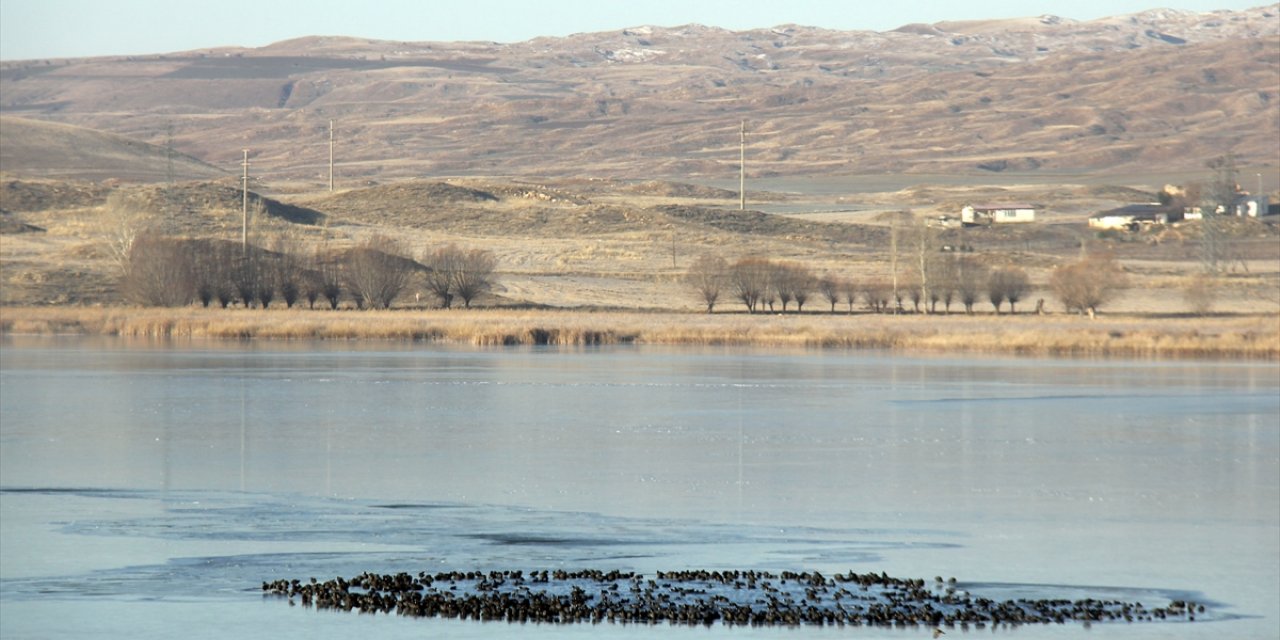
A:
(149, 488)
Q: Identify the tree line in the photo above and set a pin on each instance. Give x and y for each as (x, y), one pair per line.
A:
(938, 280)
(158, 270)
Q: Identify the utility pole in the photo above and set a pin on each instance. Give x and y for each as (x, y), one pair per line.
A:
(330, 156)
(893, 258)
(168, 154)
(244, 210)
(168, 170)
(742, 166)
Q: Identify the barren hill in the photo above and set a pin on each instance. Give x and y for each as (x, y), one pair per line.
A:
(1157, 89)
(39, 148)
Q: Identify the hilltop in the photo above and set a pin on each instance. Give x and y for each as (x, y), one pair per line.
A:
(1038, 95)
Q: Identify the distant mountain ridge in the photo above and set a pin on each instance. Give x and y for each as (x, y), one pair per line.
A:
(1160, 88)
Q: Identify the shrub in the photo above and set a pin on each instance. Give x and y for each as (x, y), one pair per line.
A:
(1200, 294)
(1086, 285)
(158, 272)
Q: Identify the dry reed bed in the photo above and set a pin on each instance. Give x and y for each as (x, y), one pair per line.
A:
(1254, 337)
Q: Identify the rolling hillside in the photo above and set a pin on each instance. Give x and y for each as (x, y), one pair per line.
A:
(1160, 89)
(48, 149)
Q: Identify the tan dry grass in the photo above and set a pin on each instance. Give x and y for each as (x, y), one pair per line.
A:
(1251, 337)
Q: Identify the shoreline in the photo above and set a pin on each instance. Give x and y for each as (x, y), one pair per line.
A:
(1253, 337)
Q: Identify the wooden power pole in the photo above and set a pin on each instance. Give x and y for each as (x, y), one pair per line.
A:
(330, 156)
(244, 205)
(742, 165)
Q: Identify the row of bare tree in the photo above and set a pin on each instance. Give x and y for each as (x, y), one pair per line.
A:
(164, 271)
(945, 279)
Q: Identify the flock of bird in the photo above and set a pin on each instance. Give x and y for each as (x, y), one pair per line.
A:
(704, 598)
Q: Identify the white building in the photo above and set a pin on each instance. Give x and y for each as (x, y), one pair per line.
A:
(997, 214)
(1134, 216)
(1244, 206)
(1251, 206)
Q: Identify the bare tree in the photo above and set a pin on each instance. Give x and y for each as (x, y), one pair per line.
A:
(802, 284)
(1086, 285)
(310, 286)
(830, 288)
(877, 295)
(290, 286)
(995, 289)
(475, 274)
(244, 276)
(377, 271)
(707, 275)
(1008, 283)
(913, 291)
(288, 272)
(211, 262)
(849, 289)
(749, 281)
(322, 278)
(780, 285)
(267, 271)
(453, 272)
(926, 242)
(158, 272)
(441, 267)
(121, 223)
(205, 272)
(767, 295)
(329, 279)
(944, 283)
(223, 258)
(789, 282)
(971, 279)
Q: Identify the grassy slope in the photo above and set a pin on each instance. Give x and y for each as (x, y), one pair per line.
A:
(38, 148)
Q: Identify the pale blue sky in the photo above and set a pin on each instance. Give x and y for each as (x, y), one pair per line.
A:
(32, 29)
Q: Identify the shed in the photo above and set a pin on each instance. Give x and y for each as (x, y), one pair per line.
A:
(983, 214)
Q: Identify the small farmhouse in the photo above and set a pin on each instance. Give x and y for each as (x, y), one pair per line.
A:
(997, 214)
(1135, 216)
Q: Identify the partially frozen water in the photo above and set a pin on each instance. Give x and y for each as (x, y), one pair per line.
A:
(150, 488)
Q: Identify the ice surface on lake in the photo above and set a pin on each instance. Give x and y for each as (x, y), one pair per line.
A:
(151, 487)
